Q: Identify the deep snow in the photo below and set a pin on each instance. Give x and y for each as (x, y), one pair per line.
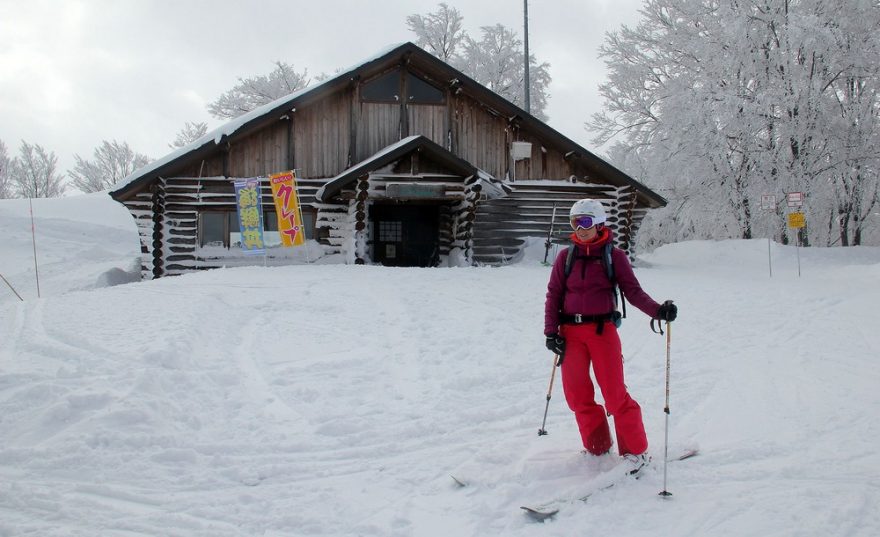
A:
(338, 400)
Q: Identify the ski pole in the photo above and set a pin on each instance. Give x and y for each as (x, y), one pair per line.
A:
(13, 288)
(548, 244)
(542, 431)
(665, 493)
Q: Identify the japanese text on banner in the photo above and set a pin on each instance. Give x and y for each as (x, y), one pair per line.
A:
(290, 226)
(250, 216)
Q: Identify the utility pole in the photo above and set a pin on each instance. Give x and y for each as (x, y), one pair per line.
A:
(528, 106)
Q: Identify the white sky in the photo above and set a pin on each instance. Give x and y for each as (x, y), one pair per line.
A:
(74, 73)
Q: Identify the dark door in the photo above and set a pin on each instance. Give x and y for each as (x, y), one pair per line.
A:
(406, 235)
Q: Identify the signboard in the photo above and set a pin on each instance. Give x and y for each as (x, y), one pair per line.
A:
(768, 201)
(290, 226)
(414, 190)
(795, 199)
(250, 216)
(796, 220)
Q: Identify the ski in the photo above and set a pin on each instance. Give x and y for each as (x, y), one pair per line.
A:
(548, 510)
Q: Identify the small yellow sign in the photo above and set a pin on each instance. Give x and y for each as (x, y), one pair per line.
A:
(796, 220)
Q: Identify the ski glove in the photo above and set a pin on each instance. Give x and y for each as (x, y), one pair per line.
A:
(667, 312)
(556, 345)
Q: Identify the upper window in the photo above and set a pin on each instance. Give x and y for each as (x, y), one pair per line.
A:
(387, 89)
(384, 89)
(420, 92)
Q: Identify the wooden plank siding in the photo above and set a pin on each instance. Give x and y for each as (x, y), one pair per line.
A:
(322, 137)
(482, 137)
(379, 127)
(430, 121)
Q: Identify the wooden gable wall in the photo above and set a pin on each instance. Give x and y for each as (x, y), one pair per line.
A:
(324, 137)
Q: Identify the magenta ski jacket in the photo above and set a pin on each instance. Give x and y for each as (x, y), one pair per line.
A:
(588, 290)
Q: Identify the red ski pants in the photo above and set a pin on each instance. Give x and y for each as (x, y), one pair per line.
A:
(583, 346)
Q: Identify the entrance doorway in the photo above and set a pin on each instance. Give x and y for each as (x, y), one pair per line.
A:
(406, 235)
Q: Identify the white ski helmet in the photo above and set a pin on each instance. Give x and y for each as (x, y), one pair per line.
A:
(588, 207)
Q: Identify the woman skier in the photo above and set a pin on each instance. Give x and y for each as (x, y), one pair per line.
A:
(580, 324)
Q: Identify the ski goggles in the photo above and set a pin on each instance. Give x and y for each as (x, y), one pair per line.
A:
(579, 222)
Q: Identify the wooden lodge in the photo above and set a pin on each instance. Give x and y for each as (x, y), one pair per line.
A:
(401, 160)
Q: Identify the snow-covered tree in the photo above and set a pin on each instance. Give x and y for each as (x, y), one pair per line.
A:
(34, 174)
(189, 134)
(113, 161)
(258, 90)
(714, 103)
(440, 32)
(496, 60)
(5, 182)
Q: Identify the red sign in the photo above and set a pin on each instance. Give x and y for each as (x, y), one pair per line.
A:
(795, 199)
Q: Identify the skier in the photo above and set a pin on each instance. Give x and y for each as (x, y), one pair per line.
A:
(580, 325)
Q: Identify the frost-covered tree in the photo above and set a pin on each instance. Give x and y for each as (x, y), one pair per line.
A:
(189, 134)
(251, 93)
(113, 162)
(715, 103)
(440, 32)
(5, 182)
(34, 173)
(496, 60)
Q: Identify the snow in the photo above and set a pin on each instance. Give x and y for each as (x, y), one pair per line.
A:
(339, 399)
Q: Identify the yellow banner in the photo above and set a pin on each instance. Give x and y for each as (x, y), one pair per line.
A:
(290, 225)
(796, 220)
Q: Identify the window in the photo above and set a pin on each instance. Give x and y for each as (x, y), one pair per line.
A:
(212, 229)
(383, 89)
(420, 92)
(390, 231)
(220, 228)
(386, 89)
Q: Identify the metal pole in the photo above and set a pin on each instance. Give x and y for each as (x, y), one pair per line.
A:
(550, 234)
(664, 492)
(542, 431)
(34, 240)
(769, 259)
(526, 84)
(13, 288)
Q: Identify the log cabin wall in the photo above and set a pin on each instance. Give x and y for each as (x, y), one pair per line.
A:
(503, 225)
(182, 199)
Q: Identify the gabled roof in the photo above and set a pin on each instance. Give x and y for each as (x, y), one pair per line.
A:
(407, 52)
(398, 150)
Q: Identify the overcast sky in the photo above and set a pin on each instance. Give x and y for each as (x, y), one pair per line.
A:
(76, 72)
